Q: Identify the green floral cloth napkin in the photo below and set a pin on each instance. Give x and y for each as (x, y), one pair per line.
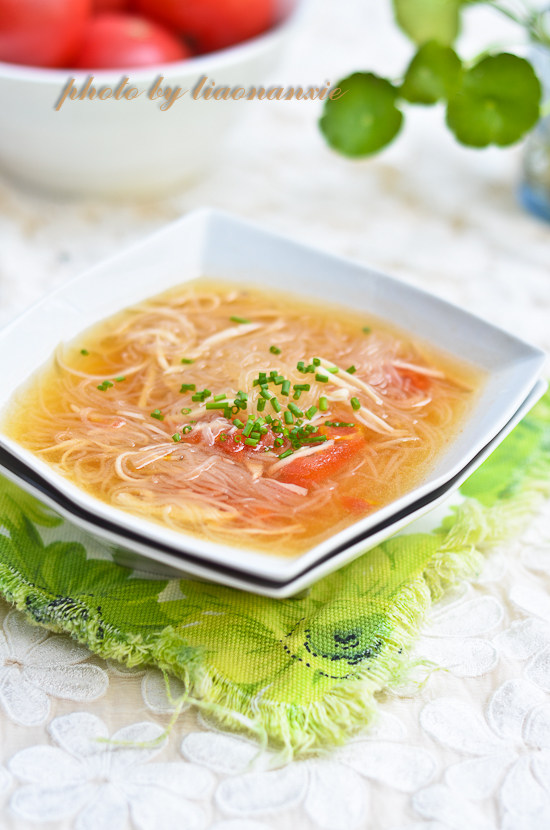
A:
(302, 673)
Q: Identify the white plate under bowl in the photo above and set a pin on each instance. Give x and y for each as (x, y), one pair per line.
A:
(225, 248)
(139, 554)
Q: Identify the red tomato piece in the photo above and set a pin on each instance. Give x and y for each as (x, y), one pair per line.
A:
(42, 32)
(111, 5)
(356, 505)
(125, 41)
(213, 24)
(322, 465)
(415, 380)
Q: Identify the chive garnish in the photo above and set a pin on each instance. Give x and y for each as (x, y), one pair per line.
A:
(156, 413)
(235, 319)
(311, 412)
(338, 424)
(187, 428)
(187, 387)
(251, 442)
(367, 329)
(265, 393)
(295, 410)
(85, 352)
(248, 428)
(285, 388)
(323, 403)
(186, 360)
(286, 453)
(274, 350)
(289, 417)
(275, 404)
(316, 361)
(120, 378)
(238, 423)
(352, 370)
(297, 394)
(222, 437)
(302, 387)
(185, 411)
(321, 378)
(220, 397)
(216, 405)
(355, 404)
(176, 437)
(261, 404)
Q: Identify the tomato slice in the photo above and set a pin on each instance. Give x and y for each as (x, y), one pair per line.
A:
(315, 468)
(414, 380)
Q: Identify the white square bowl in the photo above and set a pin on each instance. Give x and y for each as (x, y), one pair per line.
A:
(213, 244)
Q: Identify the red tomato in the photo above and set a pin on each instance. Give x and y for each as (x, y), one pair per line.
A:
(42, 32)
(213, 24)
(124, 41)
(321, 465)
(111, 5)
(414, 380)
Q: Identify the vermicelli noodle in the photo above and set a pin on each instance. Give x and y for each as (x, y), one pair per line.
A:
(253, 419)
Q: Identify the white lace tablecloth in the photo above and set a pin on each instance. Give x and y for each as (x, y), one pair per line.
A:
(471, 746)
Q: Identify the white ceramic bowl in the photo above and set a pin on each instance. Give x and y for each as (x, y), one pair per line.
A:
(224, 248)
(123, 148)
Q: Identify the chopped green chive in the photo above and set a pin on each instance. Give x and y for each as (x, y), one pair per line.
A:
(106, 384)
(220, 397)
(222, 437)
(286, 453)
(338, 424)
(216, 405)
(352, 370)
(323, 404)
(187, 387)
(355, 404)
(251, 442)
(238, 423)
(120, 378)
(278, 442)
(289, 417)
(295, 410)
(176, 437)
(265, 393)
(316, 361)
(321, 378)
(261, 404)
(317, 439)
(248, 428)
(275, 404)
(235, 319)
(285, 388)
(367, 329)
(187, 360)
(311, 412)
(297, 394)
(302, 387)
(156, 413)
(185, 411)
(187, 428)
(85, 352)
(274, 350)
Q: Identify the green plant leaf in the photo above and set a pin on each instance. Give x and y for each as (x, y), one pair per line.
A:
(424, 20)
(365, 119)
(497, 102)
(434, 73)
